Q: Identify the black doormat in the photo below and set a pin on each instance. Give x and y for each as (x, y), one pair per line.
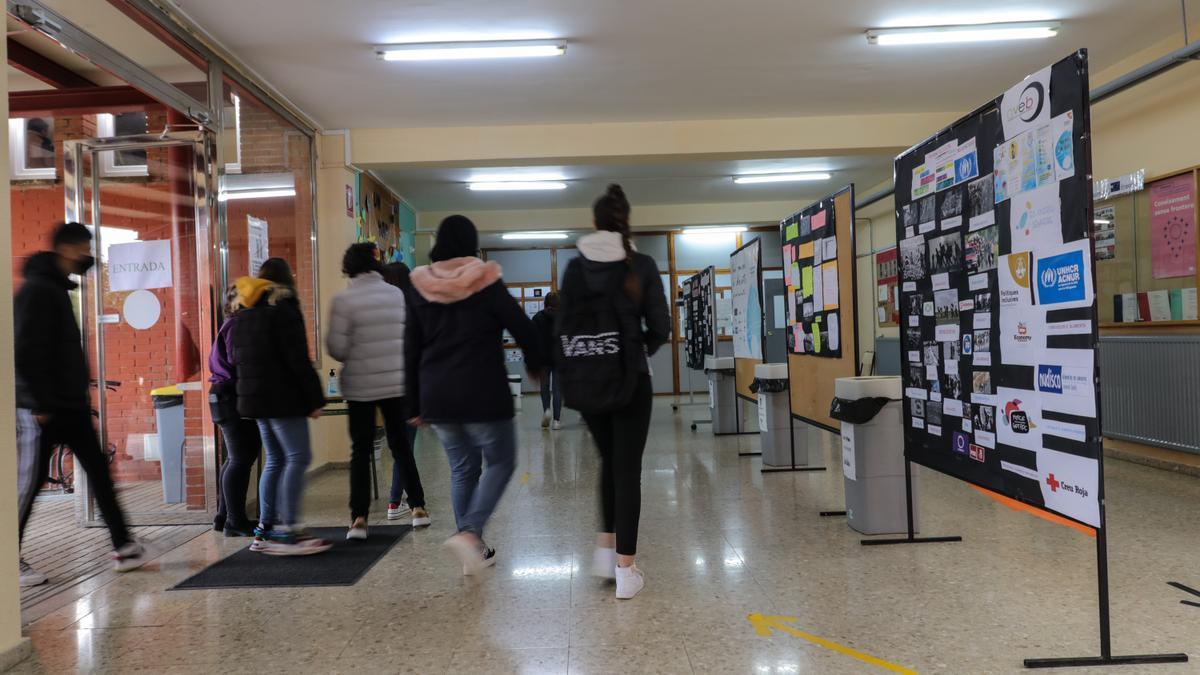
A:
(342, 565)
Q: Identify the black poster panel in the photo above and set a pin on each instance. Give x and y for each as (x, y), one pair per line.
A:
(998, 308)
(699, 317)
(813, 279)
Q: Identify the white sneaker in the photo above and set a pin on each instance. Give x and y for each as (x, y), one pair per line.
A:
(473, 554)
(630, 580)
(420, 517)
(545, 419)
(31, 577)
(604, 563)
(557, 425)
(358, 529)
(130, 557)
(397, 510)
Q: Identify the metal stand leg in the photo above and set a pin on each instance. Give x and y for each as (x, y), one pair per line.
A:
(911, 538)
(793, 467)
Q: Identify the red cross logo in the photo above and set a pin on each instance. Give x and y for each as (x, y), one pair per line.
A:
(1053, 483)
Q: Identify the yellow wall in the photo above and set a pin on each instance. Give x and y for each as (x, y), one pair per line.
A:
(335, 231)
(11, 642)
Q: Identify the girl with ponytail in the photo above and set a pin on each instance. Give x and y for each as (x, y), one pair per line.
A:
(610, 264)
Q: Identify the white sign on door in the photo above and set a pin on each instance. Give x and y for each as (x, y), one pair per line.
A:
(259, 243)
(139, 265)
(849, 469)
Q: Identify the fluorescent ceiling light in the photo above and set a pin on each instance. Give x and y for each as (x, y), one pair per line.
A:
(983, 32)
(255, 194)
(518, 185)
(534, 235)
(457, 51)
(780, 177)
(732, 229)
(514, 176)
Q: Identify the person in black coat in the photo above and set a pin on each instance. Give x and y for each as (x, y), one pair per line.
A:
(53, 381)
(458, 380)
(552, 400)
(608, 263)
(277, 386)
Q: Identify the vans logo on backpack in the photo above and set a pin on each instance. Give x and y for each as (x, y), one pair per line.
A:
(602, 344)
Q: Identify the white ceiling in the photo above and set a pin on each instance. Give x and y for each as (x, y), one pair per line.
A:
(653, 59)
(445, 189)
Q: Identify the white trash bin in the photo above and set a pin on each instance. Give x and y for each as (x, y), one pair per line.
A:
(873, 460)
(774, 420)
(722, 394)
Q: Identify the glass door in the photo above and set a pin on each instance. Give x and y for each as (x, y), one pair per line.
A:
(148, 315)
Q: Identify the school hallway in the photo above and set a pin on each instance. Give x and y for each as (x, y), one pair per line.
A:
(719, 541)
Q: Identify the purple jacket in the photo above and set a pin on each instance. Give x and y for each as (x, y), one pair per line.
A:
(220, 360)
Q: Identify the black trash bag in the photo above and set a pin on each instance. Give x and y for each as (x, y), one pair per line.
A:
(857, 411)
(770, 385)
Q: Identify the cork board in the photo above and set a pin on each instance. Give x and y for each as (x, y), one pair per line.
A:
(811, 378)
(743, 376)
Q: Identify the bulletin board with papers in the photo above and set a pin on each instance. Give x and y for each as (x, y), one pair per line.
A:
(998, 308)
(700, 322)
(820, 281)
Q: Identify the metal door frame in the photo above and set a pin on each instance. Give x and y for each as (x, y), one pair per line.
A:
(209, 267)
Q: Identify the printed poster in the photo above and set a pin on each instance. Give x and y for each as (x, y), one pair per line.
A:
(260, 243)
(747, 302)
(139, 265)
(1173, 227)
(1105, 232)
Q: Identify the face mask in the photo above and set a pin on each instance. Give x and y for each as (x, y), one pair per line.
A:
(84, 264)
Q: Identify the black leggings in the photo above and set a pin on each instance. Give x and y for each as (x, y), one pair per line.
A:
(621, 437)
(362, 444)
(242, 446)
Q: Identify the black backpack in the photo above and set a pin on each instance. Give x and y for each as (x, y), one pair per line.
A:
(599, 350)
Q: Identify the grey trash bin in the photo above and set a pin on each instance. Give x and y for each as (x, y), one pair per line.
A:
(774, 413)
(722, 397)
(873, 460)
(168, 416)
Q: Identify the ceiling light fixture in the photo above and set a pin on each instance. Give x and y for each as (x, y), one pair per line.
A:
(982, 32)
(780, 177)
(513, 175)
(518, 185)
(534, 235)
(255, 194)
(457, 51)
(731, 229)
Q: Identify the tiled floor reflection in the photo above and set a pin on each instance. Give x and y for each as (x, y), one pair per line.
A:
(719, 541)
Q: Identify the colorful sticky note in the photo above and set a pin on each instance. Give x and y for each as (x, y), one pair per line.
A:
(806, 281)
(793, 231)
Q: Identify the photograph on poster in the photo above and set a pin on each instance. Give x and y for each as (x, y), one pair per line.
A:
(982, 341)
(952, 205)
(933, 413)
(968, 344)
(915, 302)
(945, 253)
(1105, 233)
(916, 375)
(981, 382)
(951, 351)
(930, 354)
(912, 339)
(909, 215)
(979, 197)
(983, 301)
(918, 407)
(946, 307)
(952, 384)
(926, 214)
(982, 248)
(912, 258)
(984, 418)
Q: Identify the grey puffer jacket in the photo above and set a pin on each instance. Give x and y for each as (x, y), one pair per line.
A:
(366, 333)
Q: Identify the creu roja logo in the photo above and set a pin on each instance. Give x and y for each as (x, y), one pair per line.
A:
(1029, 104)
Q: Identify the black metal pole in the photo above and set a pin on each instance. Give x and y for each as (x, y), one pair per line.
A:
(908, 499)
(1102, 579)
(911, 538)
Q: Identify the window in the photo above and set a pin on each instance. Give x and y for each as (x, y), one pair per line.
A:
(31, 147)
(122, 162)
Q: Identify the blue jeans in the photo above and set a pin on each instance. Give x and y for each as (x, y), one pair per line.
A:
(552, 389)
(398, 486)
(475, 491)
(289, 452)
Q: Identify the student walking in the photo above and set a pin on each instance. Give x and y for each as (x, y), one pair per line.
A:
(458, 380)
(242, 440)
(551, 386)
(366, 333)
(279, 389)
(53, 387)
(397, 274)
(610, 277)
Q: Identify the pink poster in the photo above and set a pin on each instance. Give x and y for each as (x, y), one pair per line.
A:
(1173, 227)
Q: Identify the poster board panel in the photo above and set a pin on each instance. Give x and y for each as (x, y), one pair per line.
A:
(812, 377)
(999, 325)
(744, 376)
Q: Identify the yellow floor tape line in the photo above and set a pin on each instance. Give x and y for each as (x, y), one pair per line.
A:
(764, 625)
(525, 478)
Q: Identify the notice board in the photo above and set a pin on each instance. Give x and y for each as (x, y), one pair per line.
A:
(700, 322)
(998, 308)
(748, 318)
(821, 286)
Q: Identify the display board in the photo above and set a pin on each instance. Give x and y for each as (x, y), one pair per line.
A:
(998, 309)
(748, 318)
(822, 342)
(700, 323)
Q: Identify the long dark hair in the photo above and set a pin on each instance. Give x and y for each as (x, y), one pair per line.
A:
(277, 270)
(396, 274)
(611, 214)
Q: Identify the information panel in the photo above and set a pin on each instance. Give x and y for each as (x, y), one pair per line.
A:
(746, 268)
(700, 324)
(997, 307)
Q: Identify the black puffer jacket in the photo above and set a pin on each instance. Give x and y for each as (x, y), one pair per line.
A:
(270, 350)
(51, 368)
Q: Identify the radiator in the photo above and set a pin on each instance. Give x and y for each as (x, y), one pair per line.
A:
(1150, 390)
